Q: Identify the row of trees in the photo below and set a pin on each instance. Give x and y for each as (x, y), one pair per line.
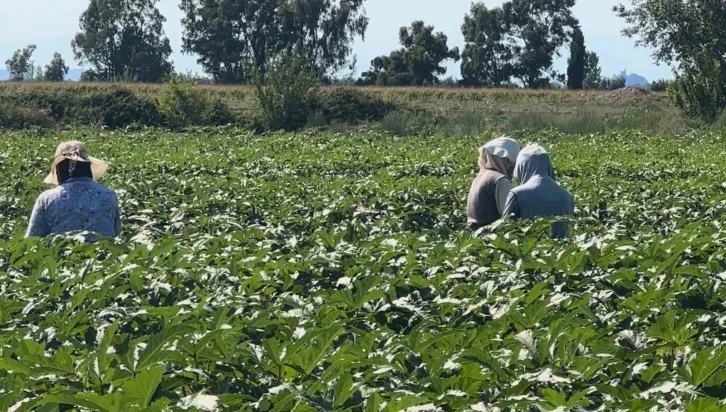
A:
(22, 67)
(512, 44)
(236, 40)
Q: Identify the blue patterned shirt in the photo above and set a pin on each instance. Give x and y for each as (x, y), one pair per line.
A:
(78, 205)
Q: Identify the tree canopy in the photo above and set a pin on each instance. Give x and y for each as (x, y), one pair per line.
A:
(419, 62)
(233, 38)
(20, 66)
(56, 70)
(487, 59)
(678, 31)
(576, 62)
(123, 39)
(518, 40)
(688, 35)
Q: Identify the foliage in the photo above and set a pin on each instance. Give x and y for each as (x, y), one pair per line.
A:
(321, 32)
(660, 85)
(20, 66)
(699, 90)
(720, 123)
(689, 36)
(123, 40)
(418, 63)
(542, 26)
(224, 49)
(593, 72)
(612, 83)
(350, 106)
(287, 94)
(182, 104)
(330, 271)
(38, 74)
(450, 82)
(679, 32)
(432, 110)
(487, 56)
(121, 108)
(16, 117)
(235, 39)
(111, 108)
(519, 39)
(576, 64)
(56, 70)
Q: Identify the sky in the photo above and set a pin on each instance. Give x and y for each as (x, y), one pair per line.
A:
(51, 24)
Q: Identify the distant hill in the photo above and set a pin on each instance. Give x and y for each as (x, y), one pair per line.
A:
(73, 75)
(634, 80)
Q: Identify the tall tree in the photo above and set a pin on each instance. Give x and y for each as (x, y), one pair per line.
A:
(593, 72)
(322, 31)
(38, 74)
(390, 70)
(678, 31)
(232, 35)
(519, 39)
(20, 64)
(539, 28)
(488, 53)
(419, 62)
(689, 36)
(123, 40)
(229, 35)
(576, 62)
(56, 70)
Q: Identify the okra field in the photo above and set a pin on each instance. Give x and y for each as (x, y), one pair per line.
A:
(334, 272)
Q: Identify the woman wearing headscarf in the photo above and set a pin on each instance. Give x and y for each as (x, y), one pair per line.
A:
(77, 203)
(538, 194)
(489, 191)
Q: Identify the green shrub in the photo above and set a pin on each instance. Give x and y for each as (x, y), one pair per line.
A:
(720, 123)
(348, 105)
(594, 121)
(316, 119)
(396, 123)
(110, 107)
(614, 83)
(58, 104)
(120, 108)
(470, 123)
(660, 85)
(700, 89)
(14, 117)
(286, 94)
(181, 104)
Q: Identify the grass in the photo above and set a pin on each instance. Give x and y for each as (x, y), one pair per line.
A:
(458, 111)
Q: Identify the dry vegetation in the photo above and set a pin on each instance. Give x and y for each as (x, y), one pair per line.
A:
(437, 109)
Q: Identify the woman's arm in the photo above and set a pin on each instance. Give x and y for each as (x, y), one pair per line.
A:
(38, 225)
(117, 220)
(511, 209)
(503, 187)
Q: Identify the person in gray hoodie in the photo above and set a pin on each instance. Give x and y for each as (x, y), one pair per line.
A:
(538, 194)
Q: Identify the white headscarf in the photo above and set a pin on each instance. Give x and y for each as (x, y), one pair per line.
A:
(503, 147)
(494, 155)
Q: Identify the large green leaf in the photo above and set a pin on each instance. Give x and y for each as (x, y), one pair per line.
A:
(154, 351)
(139, 391)
(705, 364)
